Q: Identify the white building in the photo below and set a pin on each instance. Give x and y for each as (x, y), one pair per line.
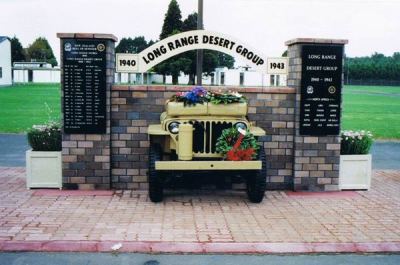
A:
(35, 72)
(5, 61)
(241, 76)
(244, 76)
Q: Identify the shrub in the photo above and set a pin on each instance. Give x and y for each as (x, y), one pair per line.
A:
(355, 142)
(45, 137)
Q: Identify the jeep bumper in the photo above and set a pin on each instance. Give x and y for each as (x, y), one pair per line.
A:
(208, 165)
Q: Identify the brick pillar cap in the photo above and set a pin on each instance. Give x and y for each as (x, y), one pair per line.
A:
(316, 40)
(87, 36)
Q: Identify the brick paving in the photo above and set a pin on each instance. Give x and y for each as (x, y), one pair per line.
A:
(201, 216)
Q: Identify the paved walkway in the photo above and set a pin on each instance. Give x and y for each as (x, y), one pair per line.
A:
(202, 222)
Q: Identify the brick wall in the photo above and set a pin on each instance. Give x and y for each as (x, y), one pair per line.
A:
(118, 158)
(86, 157)
(133, 108)
(316, 159)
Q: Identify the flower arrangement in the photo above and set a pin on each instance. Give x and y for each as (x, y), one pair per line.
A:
(197, 95)
(355, 142)
(236, 146)
(45, 137)
(200, 95)
(226, 97)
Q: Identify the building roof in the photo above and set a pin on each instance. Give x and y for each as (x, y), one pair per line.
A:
(3, 38)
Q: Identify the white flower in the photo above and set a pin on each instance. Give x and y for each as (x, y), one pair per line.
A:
(237, 94)
(116, 247)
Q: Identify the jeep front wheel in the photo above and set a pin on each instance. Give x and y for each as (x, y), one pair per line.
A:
(256, 184)
(155, 179)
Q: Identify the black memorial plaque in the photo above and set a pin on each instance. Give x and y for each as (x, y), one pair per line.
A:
(84, 86)
(321, 85)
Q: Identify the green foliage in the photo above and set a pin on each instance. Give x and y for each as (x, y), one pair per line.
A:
(211, 59)
(355, 142)
(40, 50)
(17, 51)
(173, 66)
(224, 60)
(186, 62)
(135, 45)
(172, 20)
(376, 66)
(230, 136)
(45, 138)
(172, 25)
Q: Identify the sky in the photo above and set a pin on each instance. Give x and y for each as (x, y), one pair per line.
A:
(369, 25)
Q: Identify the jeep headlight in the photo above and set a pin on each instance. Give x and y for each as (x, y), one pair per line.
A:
(173, 127)
(241, 125)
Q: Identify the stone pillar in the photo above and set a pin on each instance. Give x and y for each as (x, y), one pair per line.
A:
(86, 152)
(316, 158)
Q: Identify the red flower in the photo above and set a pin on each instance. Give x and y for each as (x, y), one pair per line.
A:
(240, 155)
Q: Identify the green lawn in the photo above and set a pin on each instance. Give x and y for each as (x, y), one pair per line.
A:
(21, 106)
(373, 108)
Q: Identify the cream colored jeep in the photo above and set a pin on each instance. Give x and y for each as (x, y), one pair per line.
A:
(185, 141)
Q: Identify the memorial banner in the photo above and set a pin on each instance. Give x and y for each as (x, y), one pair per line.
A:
(191, 40)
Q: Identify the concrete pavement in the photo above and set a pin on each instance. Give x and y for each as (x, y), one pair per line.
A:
(148, 259)
(12, 151)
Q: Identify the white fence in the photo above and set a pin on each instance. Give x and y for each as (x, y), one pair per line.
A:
(37, 75)
(222, 76)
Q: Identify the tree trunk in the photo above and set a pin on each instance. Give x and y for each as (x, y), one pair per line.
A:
(191, 79)
(175, 79)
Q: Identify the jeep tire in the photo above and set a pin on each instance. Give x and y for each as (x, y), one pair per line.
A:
(256, 183)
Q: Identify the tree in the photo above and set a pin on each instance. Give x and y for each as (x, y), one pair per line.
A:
(186, 62)
(172, 25)
(172, 20)
(225, 60)
(211, 59)
(17, 51)
(374, 67)
(129, 45)
(40, 50)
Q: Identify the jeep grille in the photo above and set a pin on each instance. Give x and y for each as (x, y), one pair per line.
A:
(205, 135)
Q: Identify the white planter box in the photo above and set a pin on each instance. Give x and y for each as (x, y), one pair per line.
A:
(179, 109)
(228, 109)
(355, 172)
(43, 169)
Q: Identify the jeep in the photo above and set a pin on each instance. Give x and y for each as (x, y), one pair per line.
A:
(185, 141)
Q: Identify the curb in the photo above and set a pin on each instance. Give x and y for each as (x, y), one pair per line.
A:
(198, 248)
